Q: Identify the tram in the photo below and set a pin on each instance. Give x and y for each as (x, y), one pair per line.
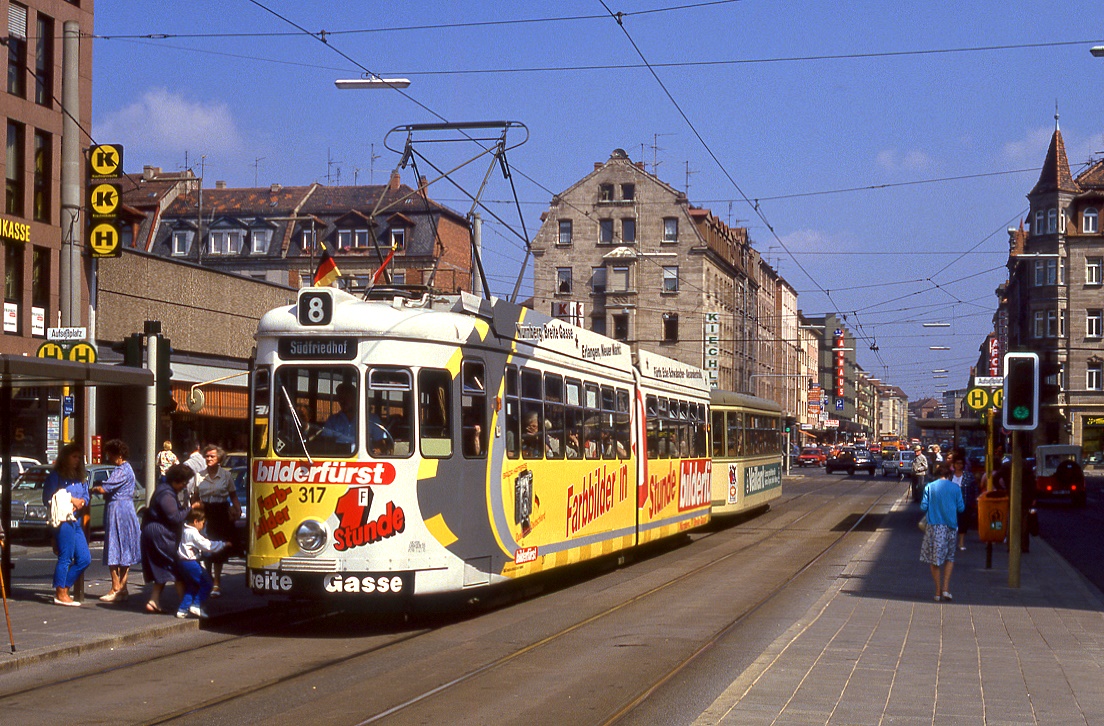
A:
(409, 444)
(747, 452)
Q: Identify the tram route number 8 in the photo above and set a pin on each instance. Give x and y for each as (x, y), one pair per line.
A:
(315, 308)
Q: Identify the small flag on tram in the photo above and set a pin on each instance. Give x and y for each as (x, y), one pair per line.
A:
(327, 270)
(386, 262)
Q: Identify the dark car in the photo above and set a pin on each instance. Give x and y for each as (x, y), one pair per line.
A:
(851, 460)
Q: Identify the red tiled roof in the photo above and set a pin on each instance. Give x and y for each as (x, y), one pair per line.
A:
(1093, 177)
(1055, 175)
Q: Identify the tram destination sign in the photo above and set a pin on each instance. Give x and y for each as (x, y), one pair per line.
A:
(318, 348)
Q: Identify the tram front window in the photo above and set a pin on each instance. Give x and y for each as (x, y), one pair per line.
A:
(316, 411)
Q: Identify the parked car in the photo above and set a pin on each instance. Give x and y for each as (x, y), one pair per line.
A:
(898, 464)
(851, 460)
(29, 514)
(811, 456)
(20, 464)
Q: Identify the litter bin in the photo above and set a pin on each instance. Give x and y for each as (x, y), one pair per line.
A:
(993, 516)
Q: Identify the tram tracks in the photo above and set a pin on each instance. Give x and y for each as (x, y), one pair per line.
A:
(389, 643)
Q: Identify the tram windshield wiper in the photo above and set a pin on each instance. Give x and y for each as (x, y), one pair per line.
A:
(298, 424)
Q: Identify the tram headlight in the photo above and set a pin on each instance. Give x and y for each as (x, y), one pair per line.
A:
(311, 536)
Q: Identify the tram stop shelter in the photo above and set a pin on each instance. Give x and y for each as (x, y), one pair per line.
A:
(18, 371)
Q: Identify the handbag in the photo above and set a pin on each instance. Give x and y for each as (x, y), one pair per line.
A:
(923, 523)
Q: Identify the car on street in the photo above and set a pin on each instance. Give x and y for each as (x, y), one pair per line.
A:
(851, 460)
(811, 456)
(898, 464)
(29, 515)
(20, 464)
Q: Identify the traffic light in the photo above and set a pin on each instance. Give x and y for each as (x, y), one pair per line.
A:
(1021, 391)
(131, 349)
(165, 402)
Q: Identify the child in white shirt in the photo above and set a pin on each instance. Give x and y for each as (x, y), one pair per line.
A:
(197, 583)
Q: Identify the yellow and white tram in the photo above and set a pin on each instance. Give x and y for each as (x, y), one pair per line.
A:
(747, 452)
(412, 444)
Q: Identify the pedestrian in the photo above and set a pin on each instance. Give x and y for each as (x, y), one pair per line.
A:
(920, 470)
(161, 533)
(198, 585)
(197, 464)
(166, 458)
(220, 501)
(942, 502)
(122, 532)
(964, 478)
(68, 475)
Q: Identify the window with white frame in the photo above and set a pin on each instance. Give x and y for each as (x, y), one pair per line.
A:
(361, 239)
(1061, 270)
(1090, 221)
(1040, 273)
(1062, 220)
(1094, 381)
(181, 240)
(259, 241)
(1052, 323)
(344, 239)
(1092, 270)
(619, 279)
(1037, 225)
(225, 242)
(565, 232)
(671, 279)
(670, 229)
(398, 238)
(563, 280)
(1052, 272)
(307, 239)
(1093, 323)
(1052, 220)
(1039, 319)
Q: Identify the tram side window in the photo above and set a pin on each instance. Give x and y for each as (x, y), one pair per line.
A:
(532, 416)
(611, 445)
(701, 429)
(260, 412)
(574, 416)
(316, 411)
(433, 408)
(684, 428)
(554, 416)
(718, 431)
(592, 425)
(663, 433)
(513, 417)
(622, 425)
(735, 439)
(651, 407)
(390, 403)
(473, 410)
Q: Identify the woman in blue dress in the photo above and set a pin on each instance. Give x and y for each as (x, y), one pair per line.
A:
(72, 546)
(122, 533)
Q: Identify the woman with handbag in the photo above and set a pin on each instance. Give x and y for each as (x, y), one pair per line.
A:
(942, 502)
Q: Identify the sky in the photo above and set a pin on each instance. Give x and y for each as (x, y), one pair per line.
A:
(877, 152)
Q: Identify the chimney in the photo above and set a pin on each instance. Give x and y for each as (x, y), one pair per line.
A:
(149, 172)
(423, 187)
(219, 184)
(394, 182)
(640, 165)
(274, 189)
(597, 165)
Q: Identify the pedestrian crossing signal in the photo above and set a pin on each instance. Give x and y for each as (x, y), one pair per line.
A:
(1021, 391)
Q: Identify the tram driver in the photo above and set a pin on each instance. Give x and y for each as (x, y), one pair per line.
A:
(341, 428)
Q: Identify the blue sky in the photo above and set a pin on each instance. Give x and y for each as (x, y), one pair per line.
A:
(792, 98)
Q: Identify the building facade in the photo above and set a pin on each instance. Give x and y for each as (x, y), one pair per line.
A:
(625, 254)
(1053, 304)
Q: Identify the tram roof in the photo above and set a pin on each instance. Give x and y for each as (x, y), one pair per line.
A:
(718, 397)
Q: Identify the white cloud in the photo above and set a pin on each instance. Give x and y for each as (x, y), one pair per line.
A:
(162, 121)
(1030, 149)
(809, 240)
(913, 160)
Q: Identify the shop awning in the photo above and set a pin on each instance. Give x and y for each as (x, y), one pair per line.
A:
(21, 371)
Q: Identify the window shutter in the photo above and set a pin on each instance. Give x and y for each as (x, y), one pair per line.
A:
(17, 21)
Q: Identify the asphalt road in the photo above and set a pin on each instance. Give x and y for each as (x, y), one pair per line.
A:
(1078, 534)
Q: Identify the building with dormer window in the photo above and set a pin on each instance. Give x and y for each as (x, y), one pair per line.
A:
(1053, 304)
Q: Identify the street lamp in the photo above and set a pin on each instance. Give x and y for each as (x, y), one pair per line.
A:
(938, 347)
(347, 84)
(1097, 51)
(940, 370)
(936, 325)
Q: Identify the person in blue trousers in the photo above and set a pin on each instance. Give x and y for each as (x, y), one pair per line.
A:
(193, 546)
(72, 546)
